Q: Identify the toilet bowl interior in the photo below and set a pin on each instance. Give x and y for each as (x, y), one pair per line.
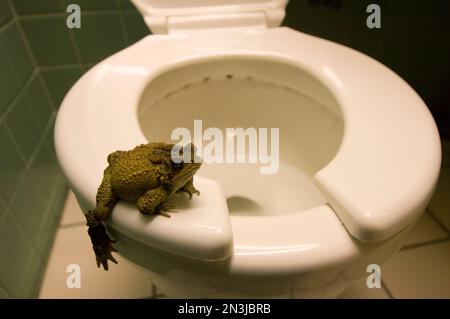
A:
(259, 93)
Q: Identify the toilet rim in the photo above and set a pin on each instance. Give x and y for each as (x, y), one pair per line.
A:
(368, 228)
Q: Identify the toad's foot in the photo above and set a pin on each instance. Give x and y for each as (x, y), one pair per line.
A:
(190, 189)
(102, 245)
(165, 209)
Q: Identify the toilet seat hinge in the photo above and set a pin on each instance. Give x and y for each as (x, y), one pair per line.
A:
(182, 23)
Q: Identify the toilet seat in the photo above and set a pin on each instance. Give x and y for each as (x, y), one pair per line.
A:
(309, 239)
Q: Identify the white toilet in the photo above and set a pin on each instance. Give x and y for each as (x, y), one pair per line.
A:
(359, 151)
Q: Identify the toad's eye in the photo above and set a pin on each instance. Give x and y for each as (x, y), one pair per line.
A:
(176, 165)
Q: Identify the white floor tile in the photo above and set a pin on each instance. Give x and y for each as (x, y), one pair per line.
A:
(425, 230)
(359, 290)
(72, 213)
(72, 246)
(422, 272)
(440, 203)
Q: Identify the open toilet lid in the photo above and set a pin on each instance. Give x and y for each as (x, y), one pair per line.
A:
(158, 14)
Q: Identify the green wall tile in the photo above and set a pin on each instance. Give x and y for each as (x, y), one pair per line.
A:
(126, 4)
(59, 81)
(300, 15)
(86, 68)
(46, 234)
(45, 171)
(404, 24)
(11, 166)
(28, 206)
(135, 26)
(8, 83)
(38, 102)
(2, 210)
(360, 37)
(50, 142)
(439, 91)
(50, 40)
(33, 274)
(4, 294)
(60, 195)
(5, 12)
(438, 21)
(100, 36)
(92, 4)
(24, 114)
(17, 53)
(23, 127)
(37, 6)
(18, 250)
(430, 53)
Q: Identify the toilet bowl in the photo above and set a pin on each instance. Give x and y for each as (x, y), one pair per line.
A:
(359, 152)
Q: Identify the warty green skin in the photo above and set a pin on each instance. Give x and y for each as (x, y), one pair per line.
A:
(145, 175)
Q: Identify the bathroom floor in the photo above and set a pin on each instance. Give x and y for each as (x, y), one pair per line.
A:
(420, 270)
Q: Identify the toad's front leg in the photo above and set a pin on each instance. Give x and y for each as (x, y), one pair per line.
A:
(189, 188)
(151, 202)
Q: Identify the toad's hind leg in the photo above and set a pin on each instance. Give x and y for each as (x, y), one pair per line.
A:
(105, 201)
(151, 202)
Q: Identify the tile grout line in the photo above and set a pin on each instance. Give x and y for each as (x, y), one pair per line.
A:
(5, 291)
(58, 183)
(88, 12)
(17, 96)
(13, 197)
(29, 162)
(387, 290)
(6, 25)
(25, 171)
(25, 85)
(15, 144)
(437, 221)
(25, 235)
(73, 40)
(50, 202)
(424, 244)
(122, 23)
(42, 139)
(153, 290)
(39, 144)
(13, 69)
(31, 54)
(65, 66)
(72, 225)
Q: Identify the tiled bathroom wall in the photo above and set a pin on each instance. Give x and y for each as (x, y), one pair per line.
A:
(32, 189)
(64, 54)
(414, 41)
